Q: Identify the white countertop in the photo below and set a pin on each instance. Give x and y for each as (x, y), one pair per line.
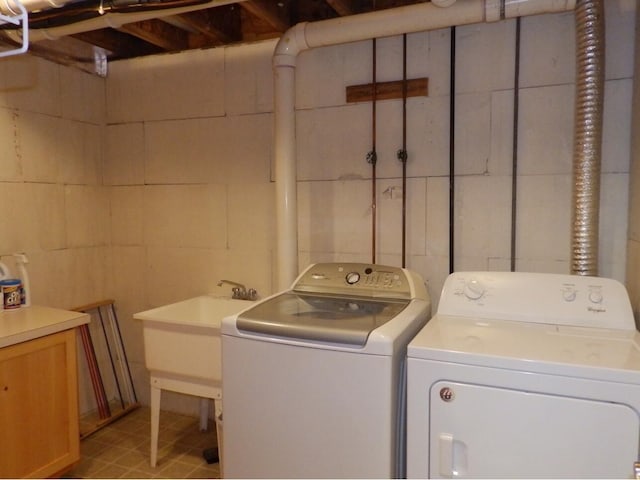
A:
(27, 323)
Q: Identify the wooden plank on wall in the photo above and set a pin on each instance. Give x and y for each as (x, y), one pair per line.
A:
(417, 87)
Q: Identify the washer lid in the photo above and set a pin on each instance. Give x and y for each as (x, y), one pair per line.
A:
(320, 318)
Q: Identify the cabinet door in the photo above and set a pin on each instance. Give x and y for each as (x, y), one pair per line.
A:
(488, 432)
(38, 407)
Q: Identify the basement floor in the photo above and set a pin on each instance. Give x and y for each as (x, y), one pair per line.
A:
(121, 449)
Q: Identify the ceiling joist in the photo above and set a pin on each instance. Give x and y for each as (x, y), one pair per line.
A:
(342, 7)
(220, 25)
(157, 33)
(229, 23)
(273, 12)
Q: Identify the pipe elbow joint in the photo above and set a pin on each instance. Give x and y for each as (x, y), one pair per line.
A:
(290, 45)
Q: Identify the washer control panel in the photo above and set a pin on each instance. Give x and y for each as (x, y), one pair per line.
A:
(360, 279)
(539, 298)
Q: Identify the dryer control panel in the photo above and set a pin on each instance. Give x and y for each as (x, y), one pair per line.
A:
(538, 298)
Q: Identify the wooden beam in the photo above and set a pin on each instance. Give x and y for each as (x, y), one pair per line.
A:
(342, 7)
(220, 24)
(417, 87)
(269, 11)
(60, 56)
(158, 33)
(119, 44)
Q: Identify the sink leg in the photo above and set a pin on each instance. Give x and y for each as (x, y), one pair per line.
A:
(155, 423)
(204, 414)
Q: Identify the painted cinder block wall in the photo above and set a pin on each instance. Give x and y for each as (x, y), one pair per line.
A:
(152, 184)
(633, 245)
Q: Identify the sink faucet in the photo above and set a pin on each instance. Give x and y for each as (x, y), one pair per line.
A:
(239, 291)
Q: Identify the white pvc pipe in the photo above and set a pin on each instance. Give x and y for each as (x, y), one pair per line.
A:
(285, 171)
(443, 3)
(382, 23)
(524, 8)
(12, 7)
(21, 20)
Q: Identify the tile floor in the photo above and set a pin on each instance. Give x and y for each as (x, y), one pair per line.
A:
(121, 449)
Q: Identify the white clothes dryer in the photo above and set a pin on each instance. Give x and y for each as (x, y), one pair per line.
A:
(313, 377)
(525, 375)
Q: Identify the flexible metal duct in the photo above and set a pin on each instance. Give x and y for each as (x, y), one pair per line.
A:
(587, 153)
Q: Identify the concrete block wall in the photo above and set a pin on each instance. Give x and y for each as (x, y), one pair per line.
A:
(152, 184)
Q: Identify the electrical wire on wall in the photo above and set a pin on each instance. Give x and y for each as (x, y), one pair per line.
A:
(402, 153)
(372, 156)
(452, 123)
(514, 170)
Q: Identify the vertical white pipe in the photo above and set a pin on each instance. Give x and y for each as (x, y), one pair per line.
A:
(383, 23)
(286, 179)
(284, 65)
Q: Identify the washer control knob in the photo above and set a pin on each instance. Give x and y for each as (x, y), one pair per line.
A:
(352, 278)
(473, 289)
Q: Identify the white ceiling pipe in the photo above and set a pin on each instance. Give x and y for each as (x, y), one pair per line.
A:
(443, 3)
(501, 9)
(10, 7)
(112, 20)
(383, 23)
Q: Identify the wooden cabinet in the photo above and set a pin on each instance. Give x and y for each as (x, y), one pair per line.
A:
(39, 407)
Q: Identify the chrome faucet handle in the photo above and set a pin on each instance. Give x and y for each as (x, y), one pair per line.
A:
(636, 470)
(239, 291)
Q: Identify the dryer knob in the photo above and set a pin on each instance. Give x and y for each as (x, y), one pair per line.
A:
(569, 294)
(595, 296)
(473, 289)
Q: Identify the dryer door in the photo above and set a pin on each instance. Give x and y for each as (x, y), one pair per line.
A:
(480, 432)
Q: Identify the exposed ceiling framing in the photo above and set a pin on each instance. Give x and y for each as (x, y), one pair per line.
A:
(77, 41)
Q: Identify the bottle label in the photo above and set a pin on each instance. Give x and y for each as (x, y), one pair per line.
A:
(11, 294)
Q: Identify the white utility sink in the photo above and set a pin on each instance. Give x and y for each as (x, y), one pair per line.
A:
(183, 338)
(183, 354)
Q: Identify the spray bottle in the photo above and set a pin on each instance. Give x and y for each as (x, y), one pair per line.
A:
(4, 272)
(21, 262)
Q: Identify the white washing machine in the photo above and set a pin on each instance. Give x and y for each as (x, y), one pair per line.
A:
(525, 375)
(313, 378)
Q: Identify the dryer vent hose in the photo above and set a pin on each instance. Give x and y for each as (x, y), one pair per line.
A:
(588, 135)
